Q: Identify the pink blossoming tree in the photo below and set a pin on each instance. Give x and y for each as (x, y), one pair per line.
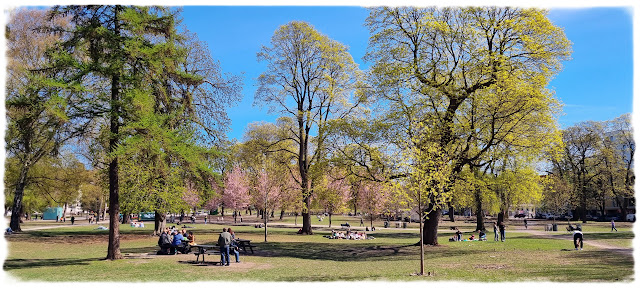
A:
(266, 197)
(236, 190)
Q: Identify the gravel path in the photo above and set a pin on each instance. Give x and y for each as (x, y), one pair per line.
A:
(627, 251)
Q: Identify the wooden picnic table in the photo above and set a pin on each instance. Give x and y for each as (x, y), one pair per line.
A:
(243, 244)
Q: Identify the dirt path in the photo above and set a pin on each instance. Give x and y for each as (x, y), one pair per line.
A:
(616, 249)
(103, 223)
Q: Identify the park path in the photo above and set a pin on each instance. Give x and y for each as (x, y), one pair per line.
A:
(616, 249)
(62, 225)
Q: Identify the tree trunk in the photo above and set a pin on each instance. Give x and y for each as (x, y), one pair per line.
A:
(430, 232)
(113, 251)
(306, 217)
(355, 208)
(329, 220)
(98, 211)
(64, 210)
(296, 220)
(281, 214)
(625, 204)
(583, 205)
(266, 219)
(126, 218)
(160, 221)
(451, 213)
(479, 216)
(421, 244)
(16, 210)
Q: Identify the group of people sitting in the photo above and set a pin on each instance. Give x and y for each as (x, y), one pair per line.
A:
(482, 236)
(137, 224)
(350, 235)
(173, 241)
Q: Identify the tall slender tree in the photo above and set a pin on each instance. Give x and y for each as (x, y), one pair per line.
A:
(112, 51)
(39, 120)
(308, 78)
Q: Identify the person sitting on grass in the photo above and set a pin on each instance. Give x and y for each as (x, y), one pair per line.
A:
(458, 235)
(483, 236)
(472, 238)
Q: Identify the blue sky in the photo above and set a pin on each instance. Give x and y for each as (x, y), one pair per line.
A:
(597, 84)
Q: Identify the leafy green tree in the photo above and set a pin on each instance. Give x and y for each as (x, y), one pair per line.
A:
(580, 162)
(461, 73)
(113, 52)
(37, 119)
(618, 149)
(556, 194)
(308, 78)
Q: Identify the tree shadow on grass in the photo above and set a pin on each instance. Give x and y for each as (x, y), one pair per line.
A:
(139, 250)
(349, 251)
(608, 236)
(14, 264)
(608, 267)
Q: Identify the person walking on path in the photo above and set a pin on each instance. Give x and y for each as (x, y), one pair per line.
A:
(613, 226)
(577, 236)
(224, 240)
(361, 222)
(73, 219)
(495, 231)
(502, 233)
(525, 224)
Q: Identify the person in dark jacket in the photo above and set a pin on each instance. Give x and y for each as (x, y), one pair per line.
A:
(501, 226)
(224, 240)
(577, 238)
(164, 242)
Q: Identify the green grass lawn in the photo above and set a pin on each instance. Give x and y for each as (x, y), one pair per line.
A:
(75, 254)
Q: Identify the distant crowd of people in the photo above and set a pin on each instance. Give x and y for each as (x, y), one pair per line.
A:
(349, 235)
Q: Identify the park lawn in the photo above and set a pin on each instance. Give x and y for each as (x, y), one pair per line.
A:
(75, 253)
